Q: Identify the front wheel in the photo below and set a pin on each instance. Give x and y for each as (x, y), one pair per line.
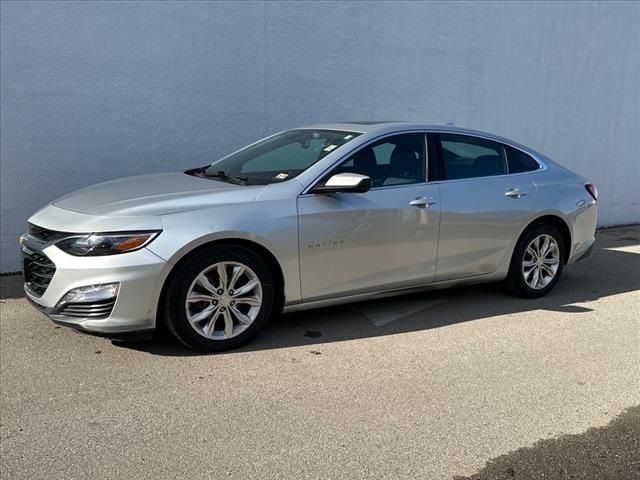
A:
(219, 298)
(537, 262)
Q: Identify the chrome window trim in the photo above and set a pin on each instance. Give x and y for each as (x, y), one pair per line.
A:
(541, 164)
(479, 178)
(307, 191)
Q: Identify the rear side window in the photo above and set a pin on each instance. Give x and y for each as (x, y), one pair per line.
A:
(519, 161)
(471, 157)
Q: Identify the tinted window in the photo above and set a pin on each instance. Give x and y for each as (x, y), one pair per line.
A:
(291, 156)
(469, 157)
(281, 157)
(396, 160)
(519, 161)
(383, 153)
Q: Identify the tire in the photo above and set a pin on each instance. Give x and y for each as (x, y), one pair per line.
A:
(522, 277)
(202, 324)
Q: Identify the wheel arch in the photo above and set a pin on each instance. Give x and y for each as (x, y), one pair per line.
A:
(560, 224)
(272, 263)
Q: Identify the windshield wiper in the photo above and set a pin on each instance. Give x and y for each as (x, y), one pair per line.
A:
(202, 172)
(230, 178)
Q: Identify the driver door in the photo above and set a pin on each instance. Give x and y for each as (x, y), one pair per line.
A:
(383, 239)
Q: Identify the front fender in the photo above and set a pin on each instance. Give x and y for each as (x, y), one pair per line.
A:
(272, 224)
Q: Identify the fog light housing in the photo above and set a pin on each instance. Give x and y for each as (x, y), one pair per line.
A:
(91, 293)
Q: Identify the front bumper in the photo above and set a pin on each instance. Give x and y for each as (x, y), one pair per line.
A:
(140, 274)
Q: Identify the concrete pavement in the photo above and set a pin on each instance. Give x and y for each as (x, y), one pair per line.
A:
(428, 386)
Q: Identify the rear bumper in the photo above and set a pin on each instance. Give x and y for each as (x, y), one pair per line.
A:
(583, 229)
(582, 251)
(586, 254)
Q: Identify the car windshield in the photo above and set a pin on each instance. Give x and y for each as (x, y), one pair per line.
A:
(277, 158)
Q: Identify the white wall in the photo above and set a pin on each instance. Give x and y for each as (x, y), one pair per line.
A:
(92, 91)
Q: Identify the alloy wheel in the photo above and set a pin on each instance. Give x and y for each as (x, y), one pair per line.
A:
(224, 300)
(541, 261)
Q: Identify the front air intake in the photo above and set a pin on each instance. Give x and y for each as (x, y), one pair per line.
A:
(94, 310)
(38, 272)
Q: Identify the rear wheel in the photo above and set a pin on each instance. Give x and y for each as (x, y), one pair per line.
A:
(219, 298)
(537, 262)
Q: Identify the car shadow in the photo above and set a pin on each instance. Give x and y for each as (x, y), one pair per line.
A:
(611, 270)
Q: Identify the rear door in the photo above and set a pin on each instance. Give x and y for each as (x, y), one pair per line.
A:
(483, 205)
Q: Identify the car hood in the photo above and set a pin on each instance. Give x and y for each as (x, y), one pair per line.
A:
(155, 194)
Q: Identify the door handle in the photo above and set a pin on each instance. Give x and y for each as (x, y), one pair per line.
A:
(515, 193)
(422, 202)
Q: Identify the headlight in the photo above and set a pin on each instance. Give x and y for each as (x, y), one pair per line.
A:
(96, 244)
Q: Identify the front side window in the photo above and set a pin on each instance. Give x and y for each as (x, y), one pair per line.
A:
(465, 156)
(395, 160)
(281, 157)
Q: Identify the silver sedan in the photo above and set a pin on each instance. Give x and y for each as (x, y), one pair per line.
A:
(305, 218)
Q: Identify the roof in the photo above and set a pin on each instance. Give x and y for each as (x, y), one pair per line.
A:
(389, 127)
(384, 126)
(358, 126)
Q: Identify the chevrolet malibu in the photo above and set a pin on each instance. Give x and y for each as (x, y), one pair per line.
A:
(305, 218)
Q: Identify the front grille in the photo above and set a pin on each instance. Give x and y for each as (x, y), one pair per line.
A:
(45, 234)
(38, 272)
(88, 310)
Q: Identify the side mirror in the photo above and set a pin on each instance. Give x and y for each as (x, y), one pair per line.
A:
(345, 183)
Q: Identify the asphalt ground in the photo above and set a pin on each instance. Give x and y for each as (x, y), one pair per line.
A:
(465, 383)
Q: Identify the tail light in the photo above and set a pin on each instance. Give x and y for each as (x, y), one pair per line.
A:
(593, 191)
